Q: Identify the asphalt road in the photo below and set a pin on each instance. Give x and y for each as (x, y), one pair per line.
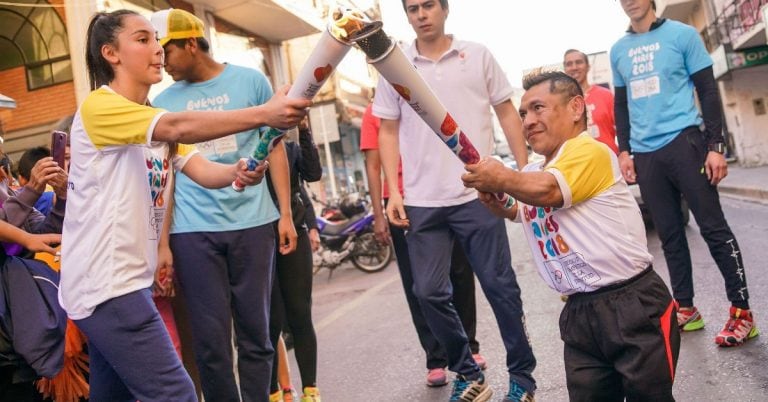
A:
(368, 350)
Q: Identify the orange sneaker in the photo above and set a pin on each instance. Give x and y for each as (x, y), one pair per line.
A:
(739, 328)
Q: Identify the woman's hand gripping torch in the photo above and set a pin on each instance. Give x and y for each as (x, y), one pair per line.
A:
(394, 66)
(330, 50)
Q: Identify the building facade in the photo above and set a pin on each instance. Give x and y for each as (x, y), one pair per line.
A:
(43, 73)
(42, 44)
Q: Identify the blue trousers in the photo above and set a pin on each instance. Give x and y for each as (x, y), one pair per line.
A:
(463, 283)
(226, 278)
(131, 355)
(483, 237)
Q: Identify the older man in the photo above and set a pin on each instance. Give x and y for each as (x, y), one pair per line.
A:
(621, 338)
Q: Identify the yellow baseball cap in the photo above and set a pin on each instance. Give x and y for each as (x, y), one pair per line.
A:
(175, 23)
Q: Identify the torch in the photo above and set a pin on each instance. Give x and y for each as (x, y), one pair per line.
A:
(394, 66)
(330, 50)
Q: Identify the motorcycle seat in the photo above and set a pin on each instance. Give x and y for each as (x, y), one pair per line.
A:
(336, 228)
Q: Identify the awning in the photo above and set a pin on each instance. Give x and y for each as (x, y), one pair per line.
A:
(274, 20)
(6, 102)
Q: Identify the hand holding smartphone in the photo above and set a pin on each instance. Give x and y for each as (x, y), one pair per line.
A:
(58, 147)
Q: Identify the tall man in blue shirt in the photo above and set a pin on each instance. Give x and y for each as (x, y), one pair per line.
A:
(223, 242)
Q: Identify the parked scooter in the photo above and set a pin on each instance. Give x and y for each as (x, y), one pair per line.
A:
(350, 239)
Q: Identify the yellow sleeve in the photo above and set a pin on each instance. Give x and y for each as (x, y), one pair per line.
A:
(183, 153)
(586, 166)
(110, 119)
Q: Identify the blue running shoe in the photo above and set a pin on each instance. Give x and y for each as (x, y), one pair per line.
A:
(465, 390)
(518, 394)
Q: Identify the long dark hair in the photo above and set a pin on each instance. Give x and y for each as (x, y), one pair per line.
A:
(102, 30)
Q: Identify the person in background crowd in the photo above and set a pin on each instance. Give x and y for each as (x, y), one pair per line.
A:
(600, 122)
(27, 161)
(17, 206)
(670, 149)
(31, 338)
(462, 278)
(291, 303)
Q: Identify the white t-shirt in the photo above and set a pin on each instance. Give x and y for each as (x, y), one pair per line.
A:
(468, 81)
(597, 238)
(115, 202)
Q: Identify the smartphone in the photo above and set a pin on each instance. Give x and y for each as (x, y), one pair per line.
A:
(58, 147)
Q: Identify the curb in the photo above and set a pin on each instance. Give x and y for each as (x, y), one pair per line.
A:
(749, 193)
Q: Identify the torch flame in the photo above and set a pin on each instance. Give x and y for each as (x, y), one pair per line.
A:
(347, 22)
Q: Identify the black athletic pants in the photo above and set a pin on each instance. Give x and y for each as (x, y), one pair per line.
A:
(665, 174)
(621, 341)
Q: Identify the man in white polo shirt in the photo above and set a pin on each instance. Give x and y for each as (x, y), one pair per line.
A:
(438, 210)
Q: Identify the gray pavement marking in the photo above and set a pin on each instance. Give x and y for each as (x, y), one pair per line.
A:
(354, 303)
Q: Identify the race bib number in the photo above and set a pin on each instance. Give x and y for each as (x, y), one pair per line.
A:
(645, 87)
(570, 272)
(206, 148)
(218, 147)
(225, 145)
(156, 216)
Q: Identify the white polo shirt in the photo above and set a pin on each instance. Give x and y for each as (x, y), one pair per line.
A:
(468, 81)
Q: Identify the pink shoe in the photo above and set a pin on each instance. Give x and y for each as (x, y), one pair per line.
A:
(480, 361)
(436, 377)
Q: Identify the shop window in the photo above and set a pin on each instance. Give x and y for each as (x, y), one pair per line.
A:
(33, 35)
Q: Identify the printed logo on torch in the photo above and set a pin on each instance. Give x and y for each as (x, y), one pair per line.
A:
(321, 73)
(403, 91)
(449, 125)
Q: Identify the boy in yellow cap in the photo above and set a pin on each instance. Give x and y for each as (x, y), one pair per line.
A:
(223, 242)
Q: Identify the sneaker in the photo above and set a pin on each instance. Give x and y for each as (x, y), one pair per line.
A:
(480, 361)
(518, 394)
(311, 394)
(276, 396)
(465, 390)
(436, 377)
(689, 319)
(739, 328)
(290, 395)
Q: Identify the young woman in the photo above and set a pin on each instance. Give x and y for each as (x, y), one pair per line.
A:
(292, 286)
(120, 161)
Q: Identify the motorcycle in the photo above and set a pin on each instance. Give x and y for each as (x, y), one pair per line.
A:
(350, 239)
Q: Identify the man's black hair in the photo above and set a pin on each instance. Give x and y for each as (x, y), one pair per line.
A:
(202, 43)
(560, 83)
(29, 158)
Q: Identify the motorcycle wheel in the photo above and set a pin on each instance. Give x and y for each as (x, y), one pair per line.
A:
(370, 255)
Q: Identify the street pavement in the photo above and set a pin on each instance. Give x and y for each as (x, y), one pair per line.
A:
(368, 349)
(748, 183)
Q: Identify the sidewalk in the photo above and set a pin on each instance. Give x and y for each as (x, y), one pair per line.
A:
(748, 183)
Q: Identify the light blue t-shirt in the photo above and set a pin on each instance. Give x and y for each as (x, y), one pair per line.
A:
(198, 209)
(656, 69)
